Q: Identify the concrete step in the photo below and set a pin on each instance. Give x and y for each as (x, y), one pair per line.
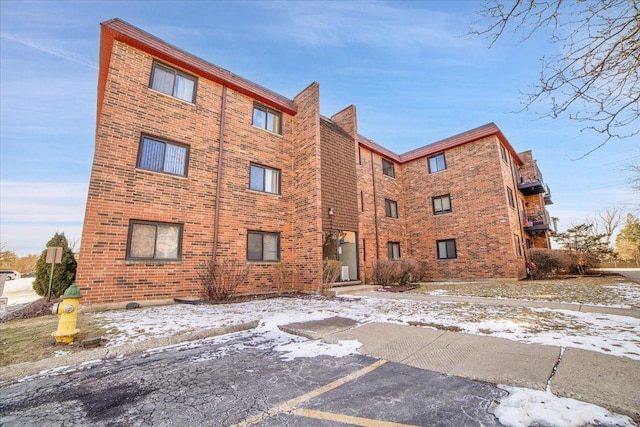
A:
(351, 290)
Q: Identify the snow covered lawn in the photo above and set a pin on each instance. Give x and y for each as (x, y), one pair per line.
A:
(611, 291)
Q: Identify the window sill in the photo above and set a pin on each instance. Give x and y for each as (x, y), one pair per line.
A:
(151, 172)
(151, 261)
(264, 192)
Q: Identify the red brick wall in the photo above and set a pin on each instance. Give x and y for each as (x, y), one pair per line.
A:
(481, 221)
(119, 192)
(321, 166)
(339, 183)
(307, 217)
(376, 230)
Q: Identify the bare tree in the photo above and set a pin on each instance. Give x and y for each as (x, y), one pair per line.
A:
(634, 167)
(606, 222)
(595, 79)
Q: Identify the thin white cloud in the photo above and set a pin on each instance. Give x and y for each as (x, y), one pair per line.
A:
(374, 24)
(51, 50)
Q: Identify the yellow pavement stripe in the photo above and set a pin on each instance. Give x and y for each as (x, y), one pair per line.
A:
(290, 405)
(347, 419)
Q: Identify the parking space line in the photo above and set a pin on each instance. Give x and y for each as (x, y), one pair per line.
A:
(291, 405)
(347, 419)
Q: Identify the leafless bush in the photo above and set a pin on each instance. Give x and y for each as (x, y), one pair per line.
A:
(547, 262)
(580, 262)
(282, 274)
(386, 272)
(330, 272)
(398, 272)
(220, 279)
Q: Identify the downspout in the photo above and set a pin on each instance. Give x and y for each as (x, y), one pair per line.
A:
(375, 207)
(216, 215)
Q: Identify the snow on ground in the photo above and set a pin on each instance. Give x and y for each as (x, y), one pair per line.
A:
(615, 335)
(524, 407)
(609, 334)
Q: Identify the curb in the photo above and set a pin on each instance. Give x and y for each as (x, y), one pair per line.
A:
(13, 373)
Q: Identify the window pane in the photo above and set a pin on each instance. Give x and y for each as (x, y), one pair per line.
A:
(152, 155)
(270, 247)
(451, 249)
(271, 180)
(167, 241)
(440, 162)
(162, 80)
(437, 204)
(259, 118)
(184, 88)
(442, 250)
(276, 123)
(143, 238)
(271, 121)
(256, 179)
(446, 204)
(254, 247)
(175, 160)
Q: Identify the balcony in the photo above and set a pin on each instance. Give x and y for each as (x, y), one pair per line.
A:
(532, 183)
(547, 196)
(537, 223)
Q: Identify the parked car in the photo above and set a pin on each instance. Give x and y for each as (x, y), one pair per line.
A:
(10, 274)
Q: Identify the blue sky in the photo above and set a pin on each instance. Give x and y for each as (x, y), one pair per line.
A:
(413, 74)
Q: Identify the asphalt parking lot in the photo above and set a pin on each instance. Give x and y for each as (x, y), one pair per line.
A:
(240, 380)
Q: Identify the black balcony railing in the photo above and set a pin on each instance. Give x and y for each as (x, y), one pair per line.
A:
(537, 223)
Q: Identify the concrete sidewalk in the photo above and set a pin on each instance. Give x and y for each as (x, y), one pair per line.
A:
(608, 381)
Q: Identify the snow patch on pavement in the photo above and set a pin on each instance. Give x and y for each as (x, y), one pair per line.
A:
(524, 407)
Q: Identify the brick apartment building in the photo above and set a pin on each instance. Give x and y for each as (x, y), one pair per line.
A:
(193, 162)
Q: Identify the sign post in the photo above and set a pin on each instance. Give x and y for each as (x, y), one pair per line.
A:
(54, 256)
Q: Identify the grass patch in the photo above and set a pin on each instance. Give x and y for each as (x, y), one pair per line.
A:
(30, 340)
(438, 326)
(593, 290)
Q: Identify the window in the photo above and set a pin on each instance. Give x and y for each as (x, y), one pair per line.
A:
(447, 249)
(437, 163)
(153, 240)
(266, 118)
(393, 250)
(388, 168)
(263, 246)
(512, 202)
(441, 204)
(162, 156)
(503, 153)
(391, 208)
(516, 240)
(262, 178)
(173, 82)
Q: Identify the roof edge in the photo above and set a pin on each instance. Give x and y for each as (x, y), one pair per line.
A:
(490, 129)
(124, 32)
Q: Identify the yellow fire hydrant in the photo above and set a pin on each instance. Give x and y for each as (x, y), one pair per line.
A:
(67, 310)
